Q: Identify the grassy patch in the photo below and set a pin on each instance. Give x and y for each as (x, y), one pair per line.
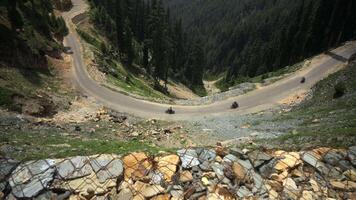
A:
(326, 121)
(223, 85)
(39, 145)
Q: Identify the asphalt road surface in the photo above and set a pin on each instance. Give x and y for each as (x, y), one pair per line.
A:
(253, 101)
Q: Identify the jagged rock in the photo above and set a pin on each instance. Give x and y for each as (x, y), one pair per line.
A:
(106, 166)
(136, 165)
(351, 155)
(206, 154)
(30, 178)
(86, 185)
(124, 194)
(228, 171)
(6, 167)
(343, 185)
(258, 158)
(221, 193)
(162, 197)
(50, 195)
(75, 167)
(167, 165)
(156, 177)
(287, 160)
(333, 157)
(238, 153)
(290, 189)
(259, 186)
(350, 174)
(205, 181)
(189, 158)
(177, 193)
(239, 171)
(185, 176)
(308, 195)
(219, 170)
(275, 185)
(313, 159)
(243, 192)
(230, 158)
(246, 164)
(147, 190)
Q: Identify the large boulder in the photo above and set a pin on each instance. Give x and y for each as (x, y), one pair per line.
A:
(137, 166)
(30, 178)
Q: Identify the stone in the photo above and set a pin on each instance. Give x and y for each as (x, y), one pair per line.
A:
(237, 152)
(85, 185)
(258, 183)
(6, 167)
(315, 186)
(73, 168)
(106, 166)
(333, 157)
(219, 170)
(290, 189)
(308, 195)
(136, 165)
(30, 178)
(351, 155)
(350, 174)
(218, 159)
(245, 164)
(230, 158)
(239, 171)
(243, 192)
(343, 185)
(220, 150)
(167, 165)
(124, 194)
(50, 195)
(161, 197)
(287, 161)
(205, 165)
(205, 181)
(258, 158)
(189, 158)
(313, 159)
(224, 194)
(147, 190)
(275, 185)
(157, 177)
(206, 155)
(185, 176)
(177, 194)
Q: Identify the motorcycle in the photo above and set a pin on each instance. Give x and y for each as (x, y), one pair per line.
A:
(234, 105)
(170, 111)
(302, 80)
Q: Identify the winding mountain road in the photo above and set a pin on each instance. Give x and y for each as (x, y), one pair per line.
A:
(253, 101)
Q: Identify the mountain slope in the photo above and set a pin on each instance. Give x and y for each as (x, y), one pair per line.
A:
(252, 37)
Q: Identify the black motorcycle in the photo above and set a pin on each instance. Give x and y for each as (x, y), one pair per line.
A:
(170, 111)
(302, 80)
(234, 105)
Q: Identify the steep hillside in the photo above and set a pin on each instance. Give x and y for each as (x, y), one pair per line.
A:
(141, 33)
(252, 37)
(30, 40)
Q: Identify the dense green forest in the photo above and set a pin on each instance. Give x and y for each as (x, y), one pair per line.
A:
(252, 37)
(29, 30)
(143, 33)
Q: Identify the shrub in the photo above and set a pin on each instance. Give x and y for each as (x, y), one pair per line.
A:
(340, 90)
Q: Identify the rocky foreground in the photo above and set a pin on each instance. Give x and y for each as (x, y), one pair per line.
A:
(199, 173)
